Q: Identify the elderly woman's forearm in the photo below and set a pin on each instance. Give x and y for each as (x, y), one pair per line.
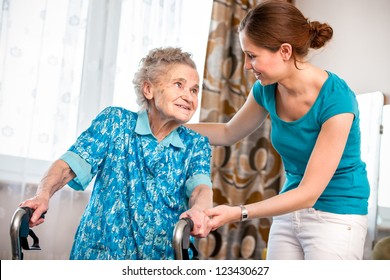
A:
(201, 198)
(57, 176)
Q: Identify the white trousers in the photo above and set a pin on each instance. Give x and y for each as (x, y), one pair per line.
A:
(309, 234)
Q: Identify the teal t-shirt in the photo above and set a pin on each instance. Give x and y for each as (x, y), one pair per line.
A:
(348, 190)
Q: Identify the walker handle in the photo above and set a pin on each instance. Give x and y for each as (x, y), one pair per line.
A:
(181, 238)
(20, 230)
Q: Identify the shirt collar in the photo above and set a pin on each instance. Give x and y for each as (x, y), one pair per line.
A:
(143, 128)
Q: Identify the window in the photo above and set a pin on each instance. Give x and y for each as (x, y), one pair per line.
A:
(42, 48)
(155, 28)
(63, 61)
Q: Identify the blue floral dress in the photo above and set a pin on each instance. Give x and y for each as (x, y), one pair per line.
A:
(141, 186)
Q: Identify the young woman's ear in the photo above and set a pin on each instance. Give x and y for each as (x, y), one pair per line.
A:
(286, 51)
(147, 90)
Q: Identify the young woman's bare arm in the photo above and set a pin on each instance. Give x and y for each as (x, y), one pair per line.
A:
(250, 116)
(321, 167)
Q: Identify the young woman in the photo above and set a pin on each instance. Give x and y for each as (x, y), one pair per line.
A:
(321, 211)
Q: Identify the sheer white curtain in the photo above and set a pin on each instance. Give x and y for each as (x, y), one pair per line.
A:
(41, 58)
(41, 48)
(143, 25)
(62, 61)
(149, 24)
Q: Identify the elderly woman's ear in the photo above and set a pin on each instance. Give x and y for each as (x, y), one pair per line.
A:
(147, 90)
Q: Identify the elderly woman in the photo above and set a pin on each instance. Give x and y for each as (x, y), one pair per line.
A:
(150, 170)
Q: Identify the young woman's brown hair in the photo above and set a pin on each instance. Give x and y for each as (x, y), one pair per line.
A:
(273, 23)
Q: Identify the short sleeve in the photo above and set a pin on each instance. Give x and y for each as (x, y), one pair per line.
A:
(196, 180)
(338, 101)
(81, 168)
(199, 167)
(93, 144)
(264, 95)
(257, 93)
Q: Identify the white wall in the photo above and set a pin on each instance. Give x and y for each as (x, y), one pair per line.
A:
(359, 51)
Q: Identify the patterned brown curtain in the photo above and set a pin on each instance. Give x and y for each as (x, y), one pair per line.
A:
(250, 170)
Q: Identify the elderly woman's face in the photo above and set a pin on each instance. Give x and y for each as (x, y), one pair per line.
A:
(175, 95)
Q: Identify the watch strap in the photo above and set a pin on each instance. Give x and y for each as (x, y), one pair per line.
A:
(244, 213)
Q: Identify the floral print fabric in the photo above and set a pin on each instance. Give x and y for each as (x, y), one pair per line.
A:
(141, 186)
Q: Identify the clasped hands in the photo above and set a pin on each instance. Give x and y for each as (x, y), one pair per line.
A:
(211, 219)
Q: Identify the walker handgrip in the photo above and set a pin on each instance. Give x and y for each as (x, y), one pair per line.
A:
(186, 233)
(181, 237)
(24, 225)
(20, 230)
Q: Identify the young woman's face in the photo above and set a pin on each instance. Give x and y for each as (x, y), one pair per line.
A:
(265, 65)
(174, 96)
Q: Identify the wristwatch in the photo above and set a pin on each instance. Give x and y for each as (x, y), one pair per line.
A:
(244, 213)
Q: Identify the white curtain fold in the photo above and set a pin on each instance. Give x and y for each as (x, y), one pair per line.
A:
(41, 48)
(144, 25)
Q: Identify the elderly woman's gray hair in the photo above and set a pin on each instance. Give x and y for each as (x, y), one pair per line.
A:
(154, 65)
